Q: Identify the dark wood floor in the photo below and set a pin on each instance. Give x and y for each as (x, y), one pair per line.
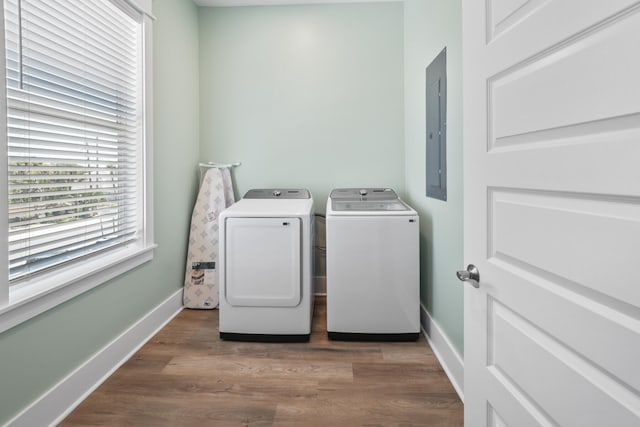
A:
(187, 376)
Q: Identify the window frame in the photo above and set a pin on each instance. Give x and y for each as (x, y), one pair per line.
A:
(35, 295)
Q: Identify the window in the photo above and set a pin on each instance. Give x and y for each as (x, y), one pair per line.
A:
(77, 135)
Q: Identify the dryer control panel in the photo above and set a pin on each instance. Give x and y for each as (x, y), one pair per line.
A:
(278, 193)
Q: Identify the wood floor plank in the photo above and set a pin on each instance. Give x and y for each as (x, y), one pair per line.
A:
(403, 373)
(261, 369)
(186, 376)
(202, 410)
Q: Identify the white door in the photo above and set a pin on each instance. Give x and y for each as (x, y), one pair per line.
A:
(552, 212)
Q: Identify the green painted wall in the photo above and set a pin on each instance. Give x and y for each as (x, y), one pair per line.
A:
(429, 26)
(304, 96)
(310, 96)
(39, 353)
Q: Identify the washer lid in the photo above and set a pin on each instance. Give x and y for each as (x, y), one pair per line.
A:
(369, 205)
(278, 193)
(366, 199)
(356, 194)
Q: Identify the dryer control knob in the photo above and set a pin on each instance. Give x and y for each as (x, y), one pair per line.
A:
(277, 193)
(363, 192)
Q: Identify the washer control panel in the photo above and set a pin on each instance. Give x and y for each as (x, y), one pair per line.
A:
(366, 199)
(363, 194)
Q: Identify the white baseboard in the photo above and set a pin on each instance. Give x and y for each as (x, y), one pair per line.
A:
(54, 405)
(449, 358)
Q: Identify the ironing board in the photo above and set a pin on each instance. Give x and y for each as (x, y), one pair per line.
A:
(201, 275)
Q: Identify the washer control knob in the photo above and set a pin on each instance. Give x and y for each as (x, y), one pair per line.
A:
(277, 193)
(363, 192)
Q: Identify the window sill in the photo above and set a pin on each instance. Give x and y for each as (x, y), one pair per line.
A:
(31, 299)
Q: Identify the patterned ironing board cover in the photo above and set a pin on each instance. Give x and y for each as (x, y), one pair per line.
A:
(201, 276)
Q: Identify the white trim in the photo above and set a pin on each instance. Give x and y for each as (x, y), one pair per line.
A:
(4, 178)
(445, 352)
(54, 405)
(29, 302)
(148, 125)
(224, 3)
(35, 295)
(140, 6)
(320, 285)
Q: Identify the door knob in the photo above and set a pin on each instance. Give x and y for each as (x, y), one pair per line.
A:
(471, 275)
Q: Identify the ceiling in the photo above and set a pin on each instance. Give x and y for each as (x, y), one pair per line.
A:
(277, 2)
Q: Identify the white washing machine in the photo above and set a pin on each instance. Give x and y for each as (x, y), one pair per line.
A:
(373, 270)
(266, 287)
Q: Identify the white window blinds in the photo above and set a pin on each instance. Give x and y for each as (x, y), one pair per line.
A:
(74, 88)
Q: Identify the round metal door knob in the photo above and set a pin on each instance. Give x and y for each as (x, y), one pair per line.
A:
(471, 275)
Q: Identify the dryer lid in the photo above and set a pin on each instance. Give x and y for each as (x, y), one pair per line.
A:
(278, 193)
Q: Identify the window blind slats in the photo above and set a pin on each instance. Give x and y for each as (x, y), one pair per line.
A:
(105, 86)
(61, 196)
(110, 223)
(53, 172)
(101, 17)
(43, 55)
(34, 120)
(79, 95)
(60, 187)
(81, 100)
(74, 128)
(98, 175)
(110, 36)
(82, 229)
(93, 234)
(81, 21)
(65, 111)
(34, 158)
(36, 143)
(24, 170)
(95, 237)
(51, 201)
(64, 214)
(71, 251)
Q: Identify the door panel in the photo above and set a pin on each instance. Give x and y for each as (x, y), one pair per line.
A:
(536, 26)
(517, 351)
(263, 262)
(567, 87)
(552, 212)
(523, 222)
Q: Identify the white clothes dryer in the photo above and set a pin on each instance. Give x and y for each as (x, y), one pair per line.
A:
(373, 270)
(266, 249)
